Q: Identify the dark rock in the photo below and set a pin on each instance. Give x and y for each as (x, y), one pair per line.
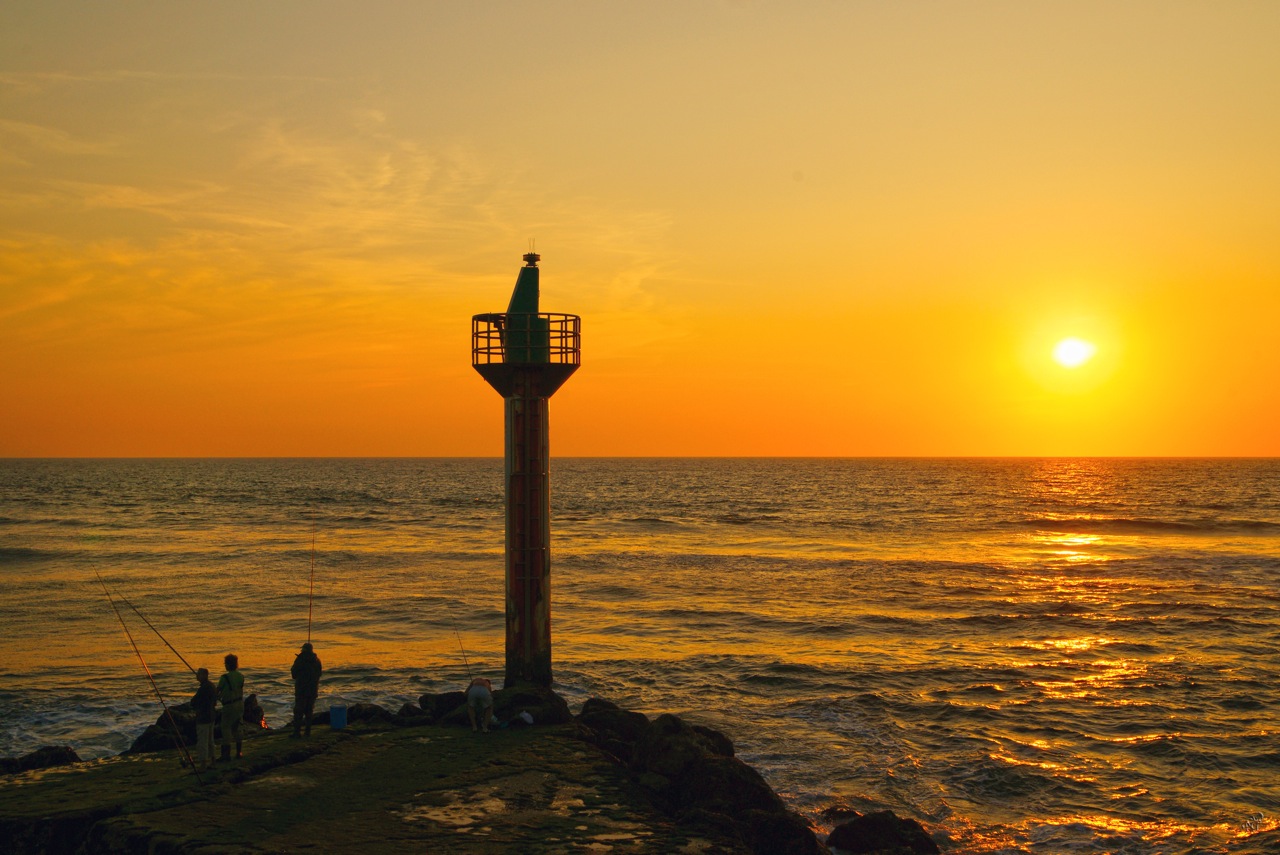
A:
(715, 741)
(370, 713)
(614, 729)
(154, 738)
(772, 832)
(411, 715)
(715, 825)
(667, 746)
(655, 783)
(457, 717)
(544, 705)
(619, 750)
(725, 785)
(411, 711)
(837, 814)
(703, 779)
(160, 736)
(439, 706)
(882, 831)
(42, 758)
(594, 704)
(609, 719)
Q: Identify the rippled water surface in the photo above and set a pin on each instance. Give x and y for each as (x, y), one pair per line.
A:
(1027, 655)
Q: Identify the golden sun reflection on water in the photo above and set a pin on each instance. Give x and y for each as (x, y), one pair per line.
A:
(1151, 831)
(1059, 769)
(1072, 547)
(1058, 581)
(1083, 643)
(1100, 685)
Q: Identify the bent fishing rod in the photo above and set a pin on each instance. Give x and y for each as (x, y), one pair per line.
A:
(177, 734)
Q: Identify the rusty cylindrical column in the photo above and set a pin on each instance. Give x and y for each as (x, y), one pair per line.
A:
(528, 535)
(526, 356)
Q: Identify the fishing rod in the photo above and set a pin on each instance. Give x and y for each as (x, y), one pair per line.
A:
(462, 650)
(177, 734)
(312, 591)
(153, 629)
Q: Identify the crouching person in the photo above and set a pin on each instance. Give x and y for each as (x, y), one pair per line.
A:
(480, 703)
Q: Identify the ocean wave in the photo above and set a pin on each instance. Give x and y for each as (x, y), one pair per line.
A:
(1044, 618)
(16, 554)
(770, 679)
(989, 778)
(984, 689)
(1264, 760)
(747, 519)
(496, 501)
(614, 591)
(1144, 525)
(1241, 704)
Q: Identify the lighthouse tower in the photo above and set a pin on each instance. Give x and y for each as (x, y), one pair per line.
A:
(526, 355)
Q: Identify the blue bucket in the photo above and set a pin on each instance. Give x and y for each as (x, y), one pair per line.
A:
(337, 717)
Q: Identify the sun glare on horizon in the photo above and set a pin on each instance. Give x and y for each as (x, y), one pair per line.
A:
(1073, 352)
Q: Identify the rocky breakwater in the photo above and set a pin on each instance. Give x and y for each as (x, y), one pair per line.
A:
(691, 771)
(417, 779)
(160, 736)
(688, 771)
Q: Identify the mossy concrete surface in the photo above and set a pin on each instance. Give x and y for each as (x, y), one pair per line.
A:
(364, 789)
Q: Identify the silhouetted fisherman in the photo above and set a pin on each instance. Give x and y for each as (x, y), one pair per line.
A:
(205, 704)
(306, 686)
(231, 693)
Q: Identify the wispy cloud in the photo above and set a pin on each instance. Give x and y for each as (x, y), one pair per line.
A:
(181, 224)
(28, 83)
(25, 138)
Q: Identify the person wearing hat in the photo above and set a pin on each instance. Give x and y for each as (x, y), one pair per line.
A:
(306, 686)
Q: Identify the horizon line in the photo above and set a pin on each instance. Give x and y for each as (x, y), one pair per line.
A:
(663, 457)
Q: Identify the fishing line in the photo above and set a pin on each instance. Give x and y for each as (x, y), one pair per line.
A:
(177, 734)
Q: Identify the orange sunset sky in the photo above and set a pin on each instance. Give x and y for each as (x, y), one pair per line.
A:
(845, 228)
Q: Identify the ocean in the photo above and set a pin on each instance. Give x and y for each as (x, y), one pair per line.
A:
(1027, 655)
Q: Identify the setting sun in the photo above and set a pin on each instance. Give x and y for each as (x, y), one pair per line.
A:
(1072, 352)
(240, 243)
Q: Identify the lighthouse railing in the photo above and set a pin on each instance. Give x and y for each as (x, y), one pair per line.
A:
(526, 339)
